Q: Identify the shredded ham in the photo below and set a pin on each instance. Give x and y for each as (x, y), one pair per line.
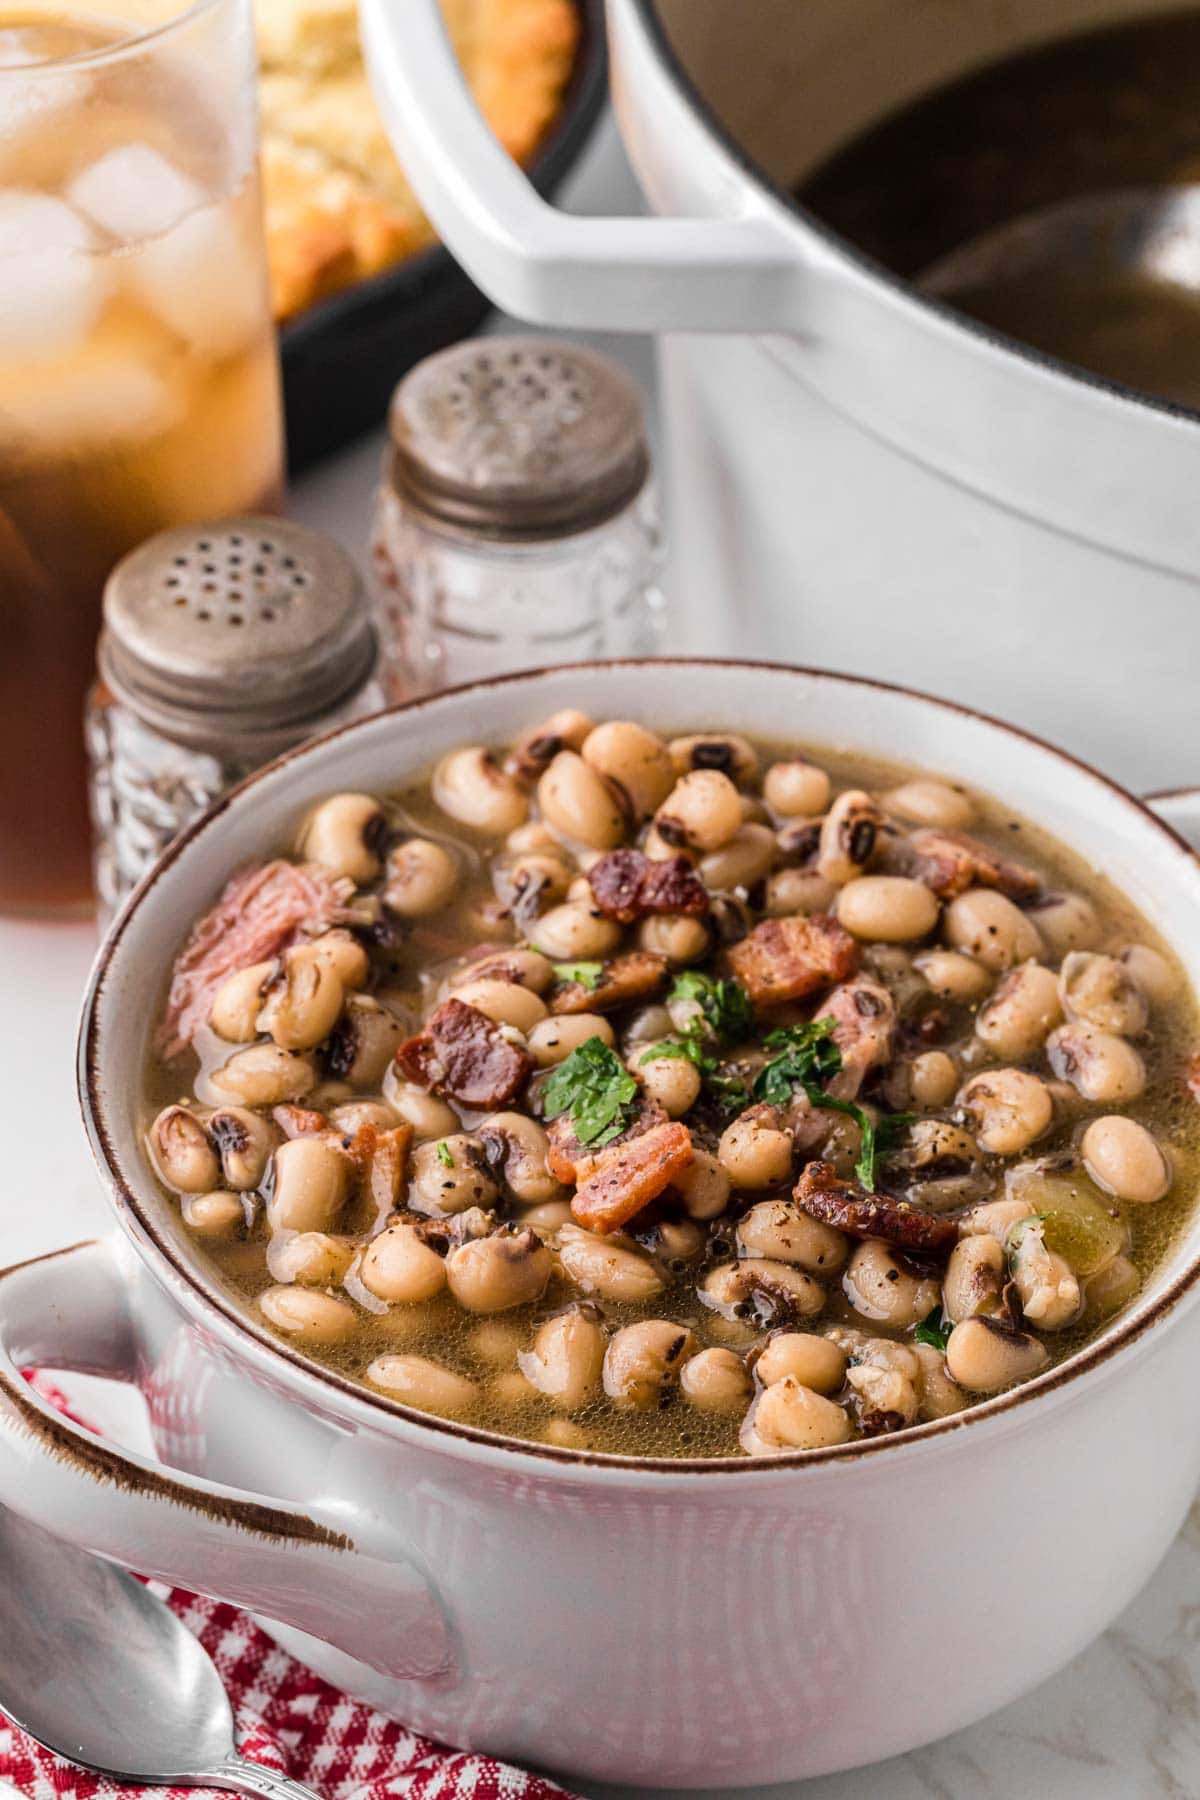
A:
(262, 910)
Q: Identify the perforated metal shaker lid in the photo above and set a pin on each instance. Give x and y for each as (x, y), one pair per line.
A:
(518, 437)
(236, 637)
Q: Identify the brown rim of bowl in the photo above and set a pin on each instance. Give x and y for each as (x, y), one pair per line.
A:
(237, 1324)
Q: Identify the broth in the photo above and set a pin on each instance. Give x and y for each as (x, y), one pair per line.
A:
(413, 968)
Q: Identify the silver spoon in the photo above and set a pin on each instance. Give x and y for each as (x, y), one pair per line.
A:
(99, 1670)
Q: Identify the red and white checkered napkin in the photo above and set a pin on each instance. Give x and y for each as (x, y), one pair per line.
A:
(290, 1720)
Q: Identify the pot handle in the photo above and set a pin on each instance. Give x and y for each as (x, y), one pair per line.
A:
(319, 1568)
(735, 273)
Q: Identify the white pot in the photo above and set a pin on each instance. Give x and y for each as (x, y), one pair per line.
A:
(869, 481)
(675, 1624)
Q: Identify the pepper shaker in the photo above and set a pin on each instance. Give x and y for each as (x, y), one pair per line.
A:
(223, 646)
(516, 523)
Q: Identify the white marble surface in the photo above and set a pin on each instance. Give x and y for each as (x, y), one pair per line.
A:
(1121, 1723)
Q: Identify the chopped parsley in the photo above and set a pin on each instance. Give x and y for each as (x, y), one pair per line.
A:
(807, 1057)
(934, 1329)
(584, 974)
(594, 1086)
(725, 1004)
(446, 1155)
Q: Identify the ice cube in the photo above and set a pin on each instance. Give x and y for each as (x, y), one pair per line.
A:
(204, 281)
(118, 393)
(38, 103)
(51, 288)
(134, 193)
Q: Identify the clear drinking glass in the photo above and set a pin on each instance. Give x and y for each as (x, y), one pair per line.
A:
(139, 381)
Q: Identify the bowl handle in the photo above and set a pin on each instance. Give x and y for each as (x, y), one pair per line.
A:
(306, 1566)
(739, 272)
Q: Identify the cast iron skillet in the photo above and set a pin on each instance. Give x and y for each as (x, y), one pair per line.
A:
(342, 358)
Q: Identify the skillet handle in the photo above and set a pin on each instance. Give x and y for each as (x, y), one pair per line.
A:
(319, 1568)
(738, 272)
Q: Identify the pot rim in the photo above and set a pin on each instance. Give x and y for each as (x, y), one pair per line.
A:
(323, 1384)
(1065, 373)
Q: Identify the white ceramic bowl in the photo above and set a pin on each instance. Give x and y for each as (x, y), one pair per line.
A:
(675, 1624)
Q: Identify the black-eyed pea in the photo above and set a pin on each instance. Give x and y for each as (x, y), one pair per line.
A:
(308, 1315)
(702, 811)
(580, 892)
(497, 1341)
(677, 936)
(547, 1218)
(310, 1185)
(1048, 1286)
(527, 968)
(677, 1242)
(884, 1377)
(994, 1218)
(219, 1214)
(792, 892)
(726, 751)
(555, 1038)
(1066, 922)
(470, 786)
(762, 1289)
(352, 1115)
(344, 835)
(658, 849)
(927, 802)
(421, 878)
(938, 1394)
(580, 804)
(573, 932)
(790, 1416)
(643, 1362)
(420, 1382)
(778, 1229)
(975, 1277)
(986, 925)
(302, 1001)
(704, 1186)
(932, 1079)
(755, 1151)
(548, 874)
(849, 833)
(635, 759)
(1021, 1014)
(953, 976)
(450, 1175)
(985, 1355)
(715, 1381)
(815, 1362)
(428, 1116)
(344, 955)
(1158, 978)
(1125, 1159)
(886, 909)
(309, 1258)
(492, 1274)
(535, 750)
(608, 1270)
(264, 1075)
(796, 789)
(237, 1003)
(567, 1358)
(881, 1287)
(182, 1151)
(533, 836)
(1100, 1067)
(1109, 1289)
(1007, 1108)
(741, 862)
(362, 1044)
(516, 1147)
(400, 1266)
(503, 1001)
(1099, 990)
(244, 1142)
(672, 1081)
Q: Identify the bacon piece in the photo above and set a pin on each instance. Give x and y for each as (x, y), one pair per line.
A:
(261, 911)
(625, 979)
(847, 1206)
(627, 885)
(864, 1022)
(786, 959)
(1191, 1076)
(299, 1121)
(629, 1176)
(568, 1160)
(949, 862)
(463, 1053)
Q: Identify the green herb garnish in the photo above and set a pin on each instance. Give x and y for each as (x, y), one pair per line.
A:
(808, 1058)
(585, 974)
(934, 1329)
(691, 1045)
(725, 1004)
(594, 1086)
(446, 1155)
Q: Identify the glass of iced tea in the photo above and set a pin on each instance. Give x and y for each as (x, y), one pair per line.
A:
(139, 382)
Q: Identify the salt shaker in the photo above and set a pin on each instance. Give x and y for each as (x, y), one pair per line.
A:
(516, 522)
(223, 645)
